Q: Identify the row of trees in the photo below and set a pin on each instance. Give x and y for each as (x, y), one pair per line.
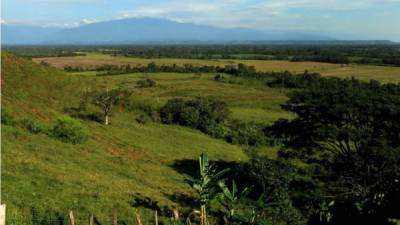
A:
(342, 53)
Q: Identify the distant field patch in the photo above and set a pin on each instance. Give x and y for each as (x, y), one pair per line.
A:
(364, 72)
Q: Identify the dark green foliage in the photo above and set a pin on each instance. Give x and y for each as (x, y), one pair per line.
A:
(7, 118)
(73, 69)
(347, 132)
(143, 119)
(273, 178)
(33, 126)
(201, 113)
(146, 83)
(69, 130)
(219, 77)
(288, 80)
(322, 58)
(245, 133)
(212, 118)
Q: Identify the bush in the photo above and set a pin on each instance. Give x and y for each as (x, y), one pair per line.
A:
(246, 133)
(198, 113)
(146, 83)
(7, 118)
(219, 77)
(142, 119)
(83, 114)
(33, 126)
(69, 130)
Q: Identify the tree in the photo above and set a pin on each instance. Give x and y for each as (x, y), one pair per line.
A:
(347, 131)
(106, 99)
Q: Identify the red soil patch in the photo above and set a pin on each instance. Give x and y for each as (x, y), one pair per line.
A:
(130, 153)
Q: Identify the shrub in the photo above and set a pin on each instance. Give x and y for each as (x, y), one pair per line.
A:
(69, 130)
(142, 119)
(246, 133)
(33, 126)
(219, 77)
(146, 83)
(7, 118)
(198, 113)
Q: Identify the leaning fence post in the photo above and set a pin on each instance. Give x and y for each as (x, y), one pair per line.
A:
(138, 220)
(114, 219)
(156, 217)
(175, 214)
(71, 218)
(2, 214)
(91, 219)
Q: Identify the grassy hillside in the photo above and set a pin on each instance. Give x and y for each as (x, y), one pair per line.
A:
(119, 160)
(364, 72)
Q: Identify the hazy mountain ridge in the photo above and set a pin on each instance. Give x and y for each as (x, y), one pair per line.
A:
(143, 30)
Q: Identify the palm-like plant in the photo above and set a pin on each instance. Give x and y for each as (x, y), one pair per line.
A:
(230, 198)
(205, 185)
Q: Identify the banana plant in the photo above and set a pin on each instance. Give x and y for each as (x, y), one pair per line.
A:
(205, 185)
(231, 198)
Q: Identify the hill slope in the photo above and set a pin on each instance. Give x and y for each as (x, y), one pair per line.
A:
(45, 175)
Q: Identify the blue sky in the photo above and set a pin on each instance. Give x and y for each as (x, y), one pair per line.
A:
(345, 19)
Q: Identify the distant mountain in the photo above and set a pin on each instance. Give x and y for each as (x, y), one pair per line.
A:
(143, 30)
(24, 35)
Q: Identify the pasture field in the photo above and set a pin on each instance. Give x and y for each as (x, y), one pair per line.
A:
(118, 161)
(363, 72)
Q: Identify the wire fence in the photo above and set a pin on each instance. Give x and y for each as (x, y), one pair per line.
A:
(43, 218)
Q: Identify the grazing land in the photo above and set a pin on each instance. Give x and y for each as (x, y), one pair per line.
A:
(285, 136)
(119, 160)
(363, 72)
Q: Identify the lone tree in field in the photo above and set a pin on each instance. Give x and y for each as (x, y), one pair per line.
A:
(106, 99)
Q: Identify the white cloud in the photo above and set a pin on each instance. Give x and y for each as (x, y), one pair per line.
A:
(88, 21)
(2, 21)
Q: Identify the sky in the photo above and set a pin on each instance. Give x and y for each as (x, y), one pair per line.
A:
(341, 19)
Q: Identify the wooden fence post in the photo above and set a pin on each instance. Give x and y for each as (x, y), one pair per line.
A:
(91, 219)
(114, 219)
(2, 214)
(156, 217)
(138, 220)
(71, 218)
(175, 214)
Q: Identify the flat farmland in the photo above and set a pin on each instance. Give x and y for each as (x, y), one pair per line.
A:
(363, 72)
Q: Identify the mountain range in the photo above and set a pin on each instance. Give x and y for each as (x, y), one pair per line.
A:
(143, 30)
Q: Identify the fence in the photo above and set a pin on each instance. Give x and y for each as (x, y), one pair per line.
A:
(70, 219)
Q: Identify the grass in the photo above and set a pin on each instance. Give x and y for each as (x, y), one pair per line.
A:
(364, 72)
(119, 160)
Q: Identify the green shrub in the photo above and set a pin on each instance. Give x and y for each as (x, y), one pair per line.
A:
(33, 126)
(146, 83)
(69, 130)
(245, 133)
(219, 77)
(142, 119)
(7, 118)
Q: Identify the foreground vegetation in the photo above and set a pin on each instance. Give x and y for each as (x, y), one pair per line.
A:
(128, 140)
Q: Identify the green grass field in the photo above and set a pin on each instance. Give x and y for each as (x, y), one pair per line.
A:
(364, 72)
(118, 160)
(126, 158)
